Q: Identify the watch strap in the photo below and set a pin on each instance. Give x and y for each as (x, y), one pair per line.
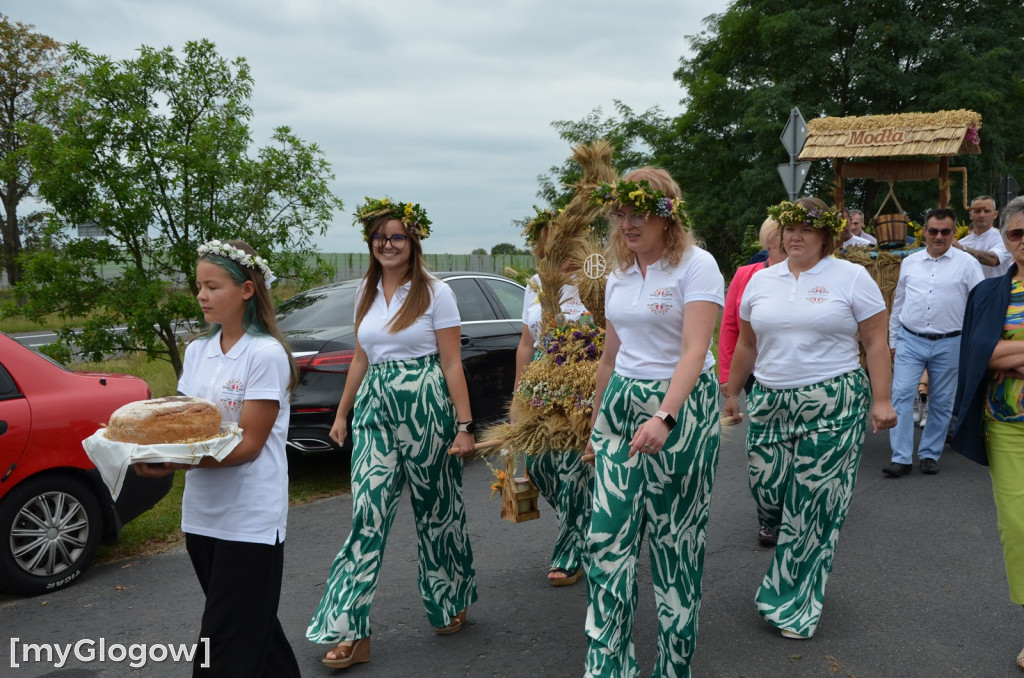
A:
(669, 420)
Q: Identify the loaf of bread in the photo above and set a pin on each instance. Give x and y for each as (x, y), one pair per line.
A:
(175, 419)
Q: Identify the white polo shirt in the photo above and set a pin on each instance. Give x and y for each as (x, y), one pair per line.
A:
(248, 502)
(647, 312)
(990, 241)
(572, 307)
(806, 327)
(931, 294)
(414, 341)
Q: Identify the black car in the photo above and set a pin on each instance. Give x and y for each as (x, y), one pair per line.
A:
(318, 326)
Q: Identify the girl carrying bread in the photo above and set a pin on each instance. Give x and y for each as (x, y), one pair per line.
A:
(233, 512)
(409, 393)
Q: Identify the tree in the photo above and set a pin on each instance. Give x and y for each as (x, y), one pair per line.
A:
(29, 60)
(632, 136)
(156, 151)
(761, 58)
(506, 248)
(753, 63)
(479, 250)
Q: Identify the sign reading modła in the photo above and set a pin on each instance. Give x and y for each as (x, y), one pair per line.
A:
(876, 137)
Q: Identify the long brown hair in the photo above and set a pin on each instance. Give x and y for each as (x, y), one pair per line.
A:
(259, 316)
(677, 238)
(418, 301)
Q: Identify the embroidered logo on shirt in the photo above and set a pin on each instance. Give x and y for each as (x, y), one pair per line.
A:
(817, 294)
(232, 393)
(660, 301)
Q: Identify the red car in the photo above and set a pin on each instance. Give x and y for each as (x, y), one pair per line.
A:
(54, 509)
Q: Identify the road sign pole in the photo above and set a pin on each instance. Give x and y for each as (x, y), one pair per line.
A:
(793, 137)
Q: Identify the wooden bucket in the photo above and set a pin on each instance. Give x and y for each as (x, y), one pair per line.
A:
(518, 497)
(891, 230)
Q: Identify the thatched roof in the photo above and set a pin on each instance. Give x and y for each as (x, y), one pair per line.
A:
(943, 133)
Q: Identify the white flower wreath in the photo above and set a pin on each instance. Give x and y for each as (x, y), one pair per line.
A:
(238, 256)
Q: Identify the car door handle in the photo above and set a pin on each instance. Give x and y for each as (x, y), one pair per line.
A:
(3, 427)
(465, 340)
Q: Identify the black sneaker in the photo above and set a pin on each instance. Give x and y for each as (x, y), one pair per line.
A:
(896, 469)
(929, 466)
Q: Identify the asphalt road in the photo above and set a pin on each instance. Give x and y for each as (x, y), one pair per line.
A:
(39, 338)
(918, 589)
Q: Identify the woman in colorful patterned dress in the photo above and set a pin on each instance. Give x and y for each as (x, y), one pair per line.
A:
(990, 394)
(656, 426)
(800, 321)
(411, 402)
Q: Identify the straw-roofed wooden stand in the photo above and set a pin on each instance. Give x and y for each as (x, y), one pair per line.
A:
(902, 147)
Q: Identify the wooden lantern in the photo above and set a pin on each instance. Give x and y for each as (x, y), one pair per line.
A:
(518, 497)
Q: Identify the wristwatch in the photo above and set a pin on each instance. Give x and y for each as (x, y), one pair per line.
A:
(669, 420)
(467, 426)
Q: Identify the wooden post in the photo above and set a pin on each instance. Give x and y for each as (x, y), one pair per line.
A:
(838, 194)
(944, 181)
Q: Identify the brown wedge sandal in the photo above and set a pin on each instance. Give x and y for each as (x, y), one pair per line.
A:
(348, 652)
(569, 579)
(455, 625)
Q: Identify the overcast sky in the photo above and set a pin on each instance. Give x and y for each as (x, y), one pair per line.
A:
(448, 104)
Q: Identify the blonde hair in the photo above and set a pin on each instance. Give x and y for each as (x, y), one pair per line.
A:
(769, 229)
(677, 237)
(419, 298)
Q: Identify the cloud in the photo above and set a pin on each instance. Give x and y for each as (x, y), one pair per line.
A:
(448, 103)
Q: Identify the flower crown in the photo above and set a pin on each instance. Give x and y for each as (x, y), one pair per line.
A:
(412, 216)
(240, 257)
(828, 220)
(534, 226)
(643, 198)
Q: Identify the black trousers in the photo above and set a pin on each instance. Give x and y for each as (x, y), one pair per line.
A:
(242, 583)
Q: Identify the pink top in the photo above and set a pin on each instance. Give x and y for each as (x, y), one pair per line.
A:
(730, 331)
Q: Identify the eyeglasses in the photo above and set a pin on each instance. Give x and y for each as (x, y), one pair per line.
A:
(940, 231)
(1015, 235)
(381, 241)
(620, 218)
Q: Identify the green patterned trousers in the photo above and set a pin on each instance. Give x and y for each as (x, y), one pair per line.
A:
(565, 481)
(404, 424)
(668, 494)
(803, 450)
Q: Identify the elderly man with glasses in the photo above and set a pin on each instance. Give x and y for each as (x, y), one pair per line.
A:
(984, 242)
(924, 333)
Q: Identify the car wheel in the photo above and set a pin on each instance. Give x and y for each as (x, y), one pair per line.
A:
(51, 527)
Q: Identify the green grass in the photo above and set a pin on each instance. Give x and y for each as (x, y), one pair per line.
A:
(53, 321)
(50, 322)
(158, 373)
(310, 477)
